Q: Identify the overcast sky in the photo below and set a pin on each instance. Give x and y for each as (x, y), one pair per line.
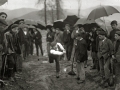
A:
(69, 4)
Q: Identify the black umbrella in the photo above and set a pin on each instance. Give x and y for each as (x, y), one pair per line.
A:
(8, 28)
(59, 24)
(41, 26)
(72, 19)
(18, 21)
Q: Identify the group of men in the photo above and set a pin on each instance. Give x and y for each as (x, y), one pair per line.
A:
(16, 44)
(64, 41)
(74, 42)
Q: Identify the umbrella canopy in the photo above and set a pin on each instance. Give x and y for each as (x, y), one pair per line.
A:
(30, 22)
(41, 26)
(3, 2)
(84, 21)
(72, 19)
(101, 12)
(59, 25)
(18, 21)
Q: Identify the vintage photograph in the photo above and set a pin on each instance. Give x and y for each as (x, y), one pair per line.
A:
(59, 44)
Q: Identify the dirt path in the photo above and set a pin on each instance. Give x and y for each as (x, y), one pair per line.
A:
(40, 75)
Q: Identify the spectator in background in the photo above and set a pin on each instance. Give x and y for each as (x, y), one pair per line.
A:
(112, 33)
(38, 41)
(3, 15)
(68, 41)
(93, 46)
(117, 58)
(105, 52)
(49, 38)
(80, 56)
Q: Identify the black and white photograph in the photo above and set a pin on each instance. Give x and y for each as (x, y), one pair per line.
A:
(59, 44)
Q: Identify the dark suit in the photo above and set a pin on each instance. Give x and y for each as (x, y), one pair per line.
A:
(38, 42)
(68, 42)
(80, 50)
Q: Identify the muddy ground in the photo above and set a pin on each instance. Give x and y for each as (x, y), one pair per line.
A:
(40, 75)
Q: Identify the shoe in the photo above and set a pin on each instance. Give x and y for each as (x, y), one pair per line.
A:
(57, 75)
(11, 79)
(85, 66)
(81, 81)
(78, 78)
(93, 68)
(106, 85)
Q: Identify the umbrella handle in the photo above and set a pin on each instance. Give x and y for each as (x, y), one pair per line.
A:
(105, 26)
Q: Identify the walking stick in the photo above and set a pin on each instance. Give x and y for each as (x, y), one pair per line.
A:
(72, 57)
(4, 67)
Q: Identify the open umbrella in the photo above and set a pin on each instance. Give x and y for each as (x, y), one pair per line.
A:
(84, 21)
(101, 12)
(72, 19)
(59, 24)
(41, 26)
(30, 22)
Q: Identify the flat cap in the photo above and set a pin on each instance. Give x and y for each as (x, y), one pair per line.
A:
(14, 26)
(102, 33)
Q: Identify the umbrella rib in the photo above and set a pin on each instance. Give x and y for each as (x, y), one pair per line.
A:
(105, 11)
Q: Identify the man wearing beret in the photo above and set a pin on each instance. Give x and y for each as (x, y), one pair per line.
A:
(11, 47)
(116, 59)
(112, 33)
(105, 52)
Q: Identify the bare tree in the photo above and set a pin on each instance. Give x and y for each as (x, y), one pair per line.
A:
(45, 9)
(79, 7)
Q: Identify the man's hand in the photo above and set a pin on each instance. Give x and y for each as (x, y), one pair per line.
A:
(113, 56)
(64, 51)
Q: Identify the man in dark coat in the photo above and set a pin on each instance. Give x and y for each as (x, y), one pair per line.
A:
(112, 33)
(80, 56)
(3, 25)
(49, 37)
(68, 41)
(117, 59)
(93, 46)
(38, 41)
(11, 47)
